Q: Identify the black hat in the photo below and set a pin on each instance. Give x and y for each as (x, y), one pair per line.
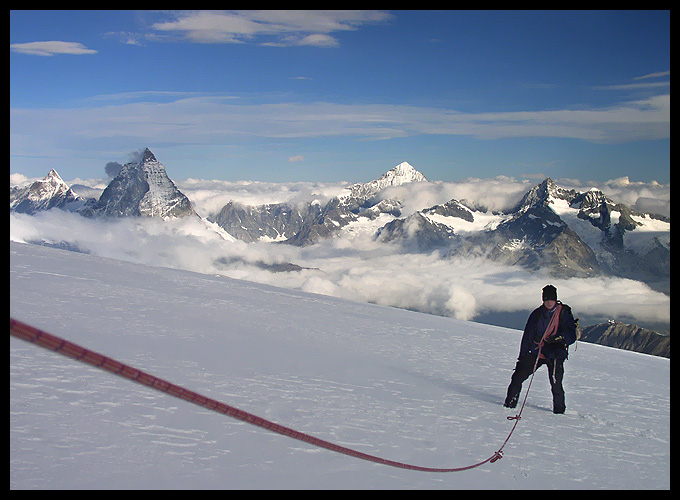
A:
(549, 292)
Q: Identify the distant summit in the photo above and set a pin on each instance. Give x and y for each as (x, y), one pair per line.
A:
(44, 194)
(543, 195)
(362, 202)
(401, 174)
(142, 189)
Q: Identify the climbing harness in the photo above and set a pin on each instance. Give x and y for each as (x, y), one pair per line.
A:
(59, 345)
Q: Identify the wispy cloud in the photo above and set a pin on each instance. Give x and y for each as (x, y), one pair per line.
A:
(51, 48)
(144, 94)
(634, 86)
(658, 74)
(642, 85)
(224, 120)
(273, 28)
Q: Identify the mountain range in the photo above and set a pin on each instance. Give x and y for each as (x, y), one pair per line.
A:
(570, 233)
(567, 232)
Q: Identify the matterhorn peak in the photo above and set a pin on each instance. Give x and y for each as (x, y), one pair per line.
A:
(148, 156)
(143, 189)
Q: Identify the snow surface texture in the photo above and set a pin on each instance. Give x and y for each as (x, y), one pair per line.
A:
(406, 386)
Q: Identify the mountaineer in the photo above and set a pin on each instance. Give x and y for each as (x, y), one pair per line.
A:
(536, 351)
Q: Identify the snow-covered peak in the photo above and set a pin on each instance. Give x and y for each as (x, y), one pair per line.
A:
(53, 178)
(143, 188)
(544, 194)
(51, 185)
(43, 194)
(403, 173)
(593, 200)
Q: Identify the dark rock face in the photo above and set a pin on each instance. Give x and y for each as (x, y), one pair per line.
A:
(536, 237)
(142, 189)
(418, 232)
(629, 337)
(274, 222)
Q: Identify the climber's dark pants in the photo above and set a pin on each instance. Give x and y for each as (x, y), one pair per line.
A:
(524, 369)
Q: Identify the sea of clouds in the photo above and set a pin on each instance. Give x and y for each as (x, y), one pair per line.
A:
(354, 266)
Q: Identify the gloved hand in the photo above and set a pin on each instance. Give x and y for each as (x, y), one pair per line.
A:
(557, 339)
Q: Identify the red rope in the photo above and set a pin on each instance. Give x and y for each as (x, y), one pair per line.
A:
(57, 344)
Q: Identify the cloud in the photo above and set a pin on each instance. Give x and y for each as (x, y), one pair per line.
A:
(51, 48)
(144, 95)
(498, 193)
(640, 86)
(319, 40)
(296, 158)
(634, 86)
(219, 120)
(658, 74)
(112, 168)
(209, 196)
(352, 266)
(136, 155)
(314, 40)
(651, 197)
(273, 28)
(17, 179)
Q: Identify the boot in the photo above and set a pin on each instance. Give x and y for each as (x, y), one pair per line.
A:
(511, 402)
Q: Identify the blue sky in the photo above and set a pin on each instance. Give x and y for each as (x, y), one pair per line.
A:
(343, 96)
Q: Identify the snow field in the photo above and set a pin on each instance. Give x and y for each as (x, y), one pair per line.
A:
(406, 386)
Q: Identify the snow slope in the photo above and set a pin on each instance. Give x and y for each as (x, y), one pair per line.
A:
(406, 386)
